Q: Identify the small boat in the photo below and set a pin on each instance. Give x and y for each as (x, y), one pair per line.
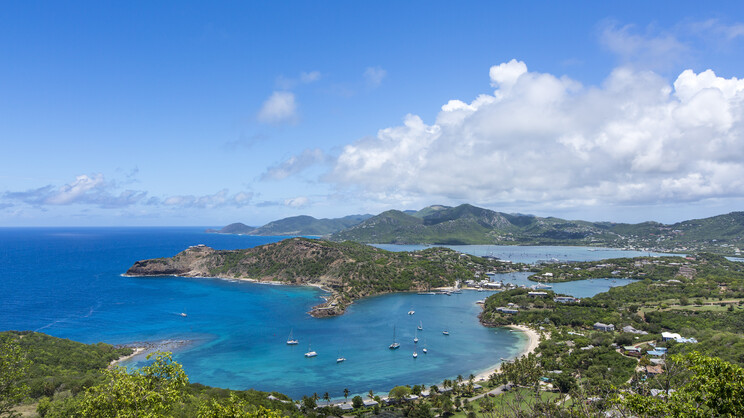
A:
(310, 352)
(411, 312)
(340, 359)
(395, 344)
(445, 332)
(420, 326)
(415, 354)
(183, 314)
(425, 350)
(415, 337)
(290, 340)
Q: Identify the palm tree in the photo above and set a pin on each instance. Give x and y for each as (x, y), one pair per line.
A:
(471, 378)
(346, 394)
(327, 397)
(371, 394)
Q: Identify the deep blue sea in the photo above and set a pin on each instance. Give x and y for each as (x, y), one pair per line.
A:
(67, 282)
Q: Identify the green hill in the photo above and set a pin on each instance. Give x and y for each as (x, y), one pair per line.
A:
(348, 270)
(295, 225)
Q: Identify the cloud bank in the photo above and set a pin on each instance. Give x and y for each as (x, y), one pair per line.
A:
(543, 139)
(95, 190)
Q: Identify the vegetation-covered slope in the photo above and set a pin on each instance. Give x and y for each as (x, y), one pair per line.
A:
(349, 270)
(467, 224)
(295, 225)
(702, 298)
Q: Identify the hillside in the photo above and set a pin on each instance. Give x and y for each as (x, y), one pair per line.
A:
(348, 270)
(467, 224)
(295, 225)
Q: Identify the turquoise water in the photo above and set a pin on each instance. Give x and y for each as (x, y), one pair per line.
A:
(578, 289)
(67, 282)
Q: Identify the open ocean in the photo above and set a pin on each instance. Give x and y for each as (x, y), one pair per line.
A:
(67, 282)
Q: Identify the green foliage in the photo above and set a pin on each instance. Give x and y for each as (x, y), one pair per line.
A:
(236, 407)
(357, 402)
(150, 391)
(56, 364)
(714, 388)
(524, 371)
(399, 392)
(13, 367)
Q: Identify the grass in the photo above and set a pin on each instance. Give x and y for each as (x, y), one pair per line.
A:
(505, 404)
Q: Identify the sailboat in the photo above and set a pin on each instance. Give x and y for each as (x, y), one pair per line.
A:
(411, 312)
(415, 354)
(445, 331)
(395, 344)
(421, 326)
(340, 359)
(425, 350)
(291, 340)
(183, 314)
(310, 352)
(415, 337)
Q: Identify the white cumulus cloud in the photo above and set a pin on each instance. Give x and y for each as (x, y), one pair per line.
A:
(540, 138)
(280, 107)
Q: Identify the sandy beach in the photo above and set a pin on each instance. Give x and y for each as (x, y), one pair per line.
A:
(137, 351)
(532, 343)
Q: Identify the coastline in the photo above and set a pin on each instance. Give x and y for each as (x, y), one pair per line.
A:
(533, 340)
(141, 349)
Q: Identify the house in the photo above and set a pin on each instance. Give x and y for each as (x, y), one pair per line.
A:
(632, 330)
(666, 336)
(604, 327)
(653, 371)
(566, 299)
(632, 350)
(537, 294)
(507, 310)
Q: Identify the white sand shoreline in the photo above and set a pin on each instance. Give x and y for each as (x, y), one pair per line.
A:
(533, 340)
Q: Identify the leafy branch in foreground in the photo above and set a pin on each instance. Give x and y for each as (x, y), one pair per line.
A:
(13, 366)
(714, 388)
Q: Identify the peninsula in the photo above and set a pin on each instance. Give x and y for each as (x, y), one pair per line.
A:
(348, 270)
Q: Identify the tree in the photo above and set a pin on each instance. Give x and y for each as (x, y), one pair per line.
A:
(308, 404)
(346, 394)
(524, 371)
(399, 393)
(714, 388)
(565, 382)
(327, 397)
(357, 402)
(13, 366)
(150, 391)
(233, 407)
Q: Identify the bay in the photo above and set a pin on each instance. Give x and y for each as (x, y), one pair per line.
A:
(67, 282)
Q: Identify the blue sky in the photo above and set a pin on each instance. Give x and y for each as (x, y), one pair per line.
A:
(184, 113)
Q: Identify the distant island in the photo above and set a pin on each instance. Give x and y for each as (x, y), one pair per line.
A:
(471, 225)
(348, 270)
